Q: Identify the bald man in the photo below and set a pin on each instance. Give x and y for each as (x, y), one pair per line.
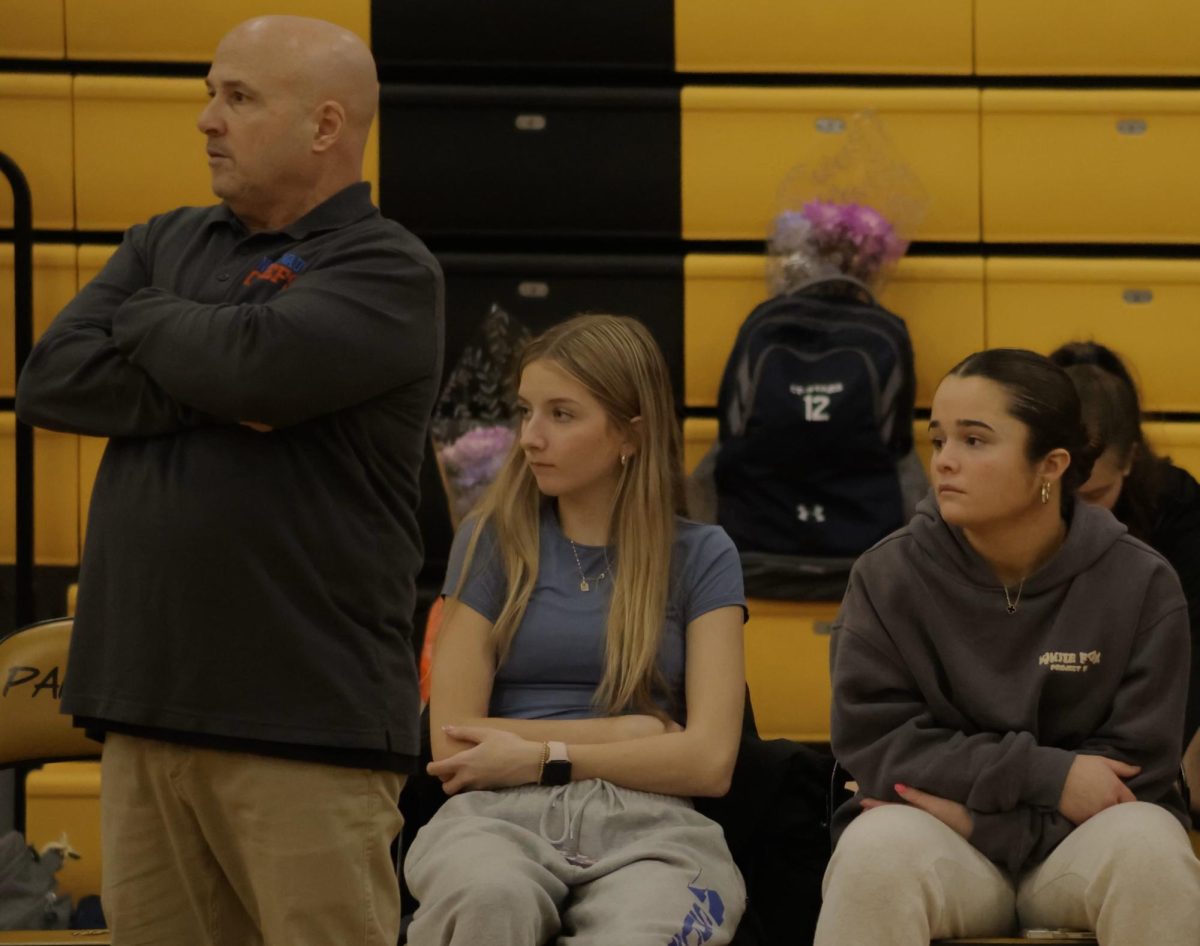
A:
(264, 369)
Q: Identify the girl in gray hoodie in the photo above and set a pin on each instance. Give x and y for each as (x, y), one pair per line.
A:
(1008, 693)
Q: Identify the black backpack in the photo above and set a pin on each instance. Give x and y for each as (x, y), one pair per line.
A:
(815, 413)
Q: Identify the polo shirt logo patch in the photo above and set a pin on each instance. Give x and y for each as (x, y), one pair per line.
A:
(281, 272)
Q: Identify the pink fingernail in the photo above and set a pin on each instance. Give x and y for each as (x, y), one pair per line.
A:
(901, 788)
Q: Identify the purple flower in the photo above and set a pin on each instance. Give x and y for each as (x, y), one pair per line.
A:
(867, 220)
(471, 462)
(823, 215)
(827, 237)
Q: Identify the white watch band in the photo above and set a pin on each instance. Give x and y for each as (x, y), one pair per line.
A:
(558, 752)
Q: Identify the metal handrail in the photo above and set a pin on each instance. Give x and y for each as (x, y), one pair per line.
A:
(23, 342)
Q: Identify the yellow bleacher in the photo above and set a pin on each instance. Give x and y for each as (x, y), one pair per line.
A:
(56, 455)
(92, 257)
(35, 115)
(1179, 441)
(1087, 37)
(1145, 309)
(137, 149)
(739, 143)
(64, 798)
(1090, 166)
(176, 30)
(31, 30)
(925, 37)
(54, 285)
(56, 522)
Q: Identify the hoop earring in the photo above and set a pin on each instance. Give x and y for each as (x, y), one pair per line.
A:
(1045, 492)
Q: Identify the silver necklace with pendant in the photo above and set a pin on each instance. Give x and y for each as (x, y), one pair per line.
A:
(1013, 602)
(585, 583)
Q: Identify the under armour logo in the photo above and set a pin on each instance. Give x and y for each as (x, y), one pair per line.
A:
(805, 513)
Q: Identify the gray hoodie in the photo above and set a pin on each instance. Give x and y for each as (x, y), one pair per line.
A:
(937, 686)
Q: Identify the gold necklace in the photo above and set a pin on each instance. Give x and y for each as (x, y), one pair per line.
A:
(584, 581)
(1012, 604)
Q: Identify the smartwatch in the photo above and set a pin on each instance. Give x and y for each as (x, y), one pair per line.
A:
(556, 767)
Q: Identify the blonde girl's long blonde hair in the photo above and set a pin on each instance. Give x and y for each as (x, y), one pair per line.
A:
(620, 364)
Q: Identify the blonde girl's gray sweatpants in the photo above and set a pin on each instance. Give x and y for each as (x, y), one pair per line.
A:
(583, 864)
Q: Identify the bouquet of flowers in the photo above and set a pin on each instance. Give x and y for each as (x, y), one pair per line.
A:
(472, 425)
(471, 462)
(825, 239)
(846, 218)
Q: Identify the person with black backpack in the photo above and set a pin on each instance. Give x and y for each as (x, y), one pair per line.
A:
(814, 460)
(815, 411)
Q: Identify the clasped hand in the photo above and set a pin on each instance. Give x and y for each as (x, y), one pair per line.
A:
(1093, 784)
(954, 815)
(497, 759)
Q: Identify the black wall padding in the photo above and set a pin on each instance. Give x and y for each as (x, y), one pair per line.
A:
(522, 161)
(567, 34)
(540, 290)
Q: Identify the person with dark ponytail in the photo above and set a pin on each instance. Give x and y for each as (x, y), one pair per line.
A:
(1007, 694)
(1158, 501)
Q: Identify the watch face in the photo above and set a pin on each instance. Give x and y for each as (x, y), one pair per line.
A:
(556, 772)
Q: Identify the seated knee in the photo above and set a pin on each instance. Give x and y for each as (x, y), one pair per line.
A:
(1138, 822)
(493, 895)
(1139, 837)
(887, 840)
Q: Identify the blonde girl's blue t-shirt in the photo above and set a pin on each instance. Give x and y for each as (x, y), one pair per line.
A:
(556, 659)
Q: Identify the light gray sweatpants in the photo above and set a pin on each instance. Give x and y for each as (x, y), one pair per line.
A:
(585, 864)
(899, 877)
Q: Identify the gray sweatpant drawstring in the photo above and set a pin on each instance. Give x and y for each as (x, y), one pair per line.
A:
(568, 839)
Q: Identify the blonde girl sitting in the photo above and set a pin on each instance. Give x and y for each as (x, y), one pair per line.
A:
(588, 677)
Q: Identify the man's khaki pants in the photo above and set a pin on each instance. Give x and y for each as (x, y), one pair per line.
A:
(210, 848)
